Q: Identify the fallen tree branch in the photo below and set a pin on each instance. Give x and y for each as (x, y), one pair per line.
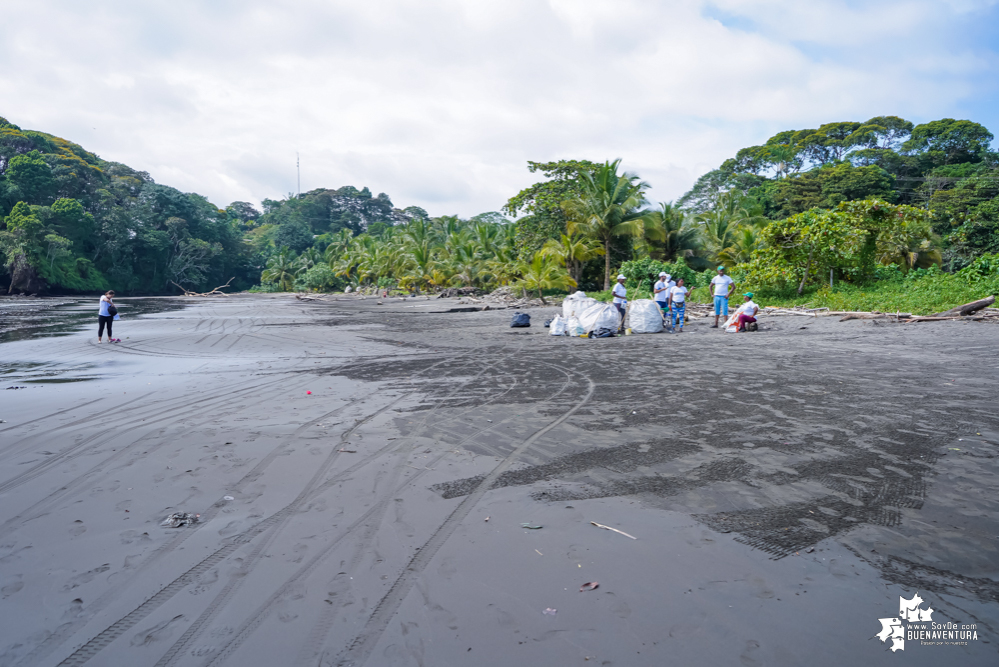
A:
(214, 292)
(968, 308)
(875, 316)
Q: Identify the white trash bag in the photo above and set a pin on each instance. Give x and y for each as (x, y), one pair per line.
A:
(573, 328)
(600, 316)
(557, 326)
(644, 316)
(576, 303)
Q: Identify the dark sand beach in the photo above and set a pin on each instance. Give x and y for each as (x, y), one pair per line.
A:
(785, 488)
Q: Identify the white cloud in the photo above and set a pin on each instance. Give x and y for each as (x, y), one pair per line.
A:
(440, 103)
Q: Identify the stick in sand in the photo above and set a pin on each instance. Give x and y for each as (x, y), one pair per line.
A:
(600, 525)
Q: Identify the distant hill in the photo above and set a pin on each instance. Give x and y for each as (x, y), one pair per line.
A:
(73, 222)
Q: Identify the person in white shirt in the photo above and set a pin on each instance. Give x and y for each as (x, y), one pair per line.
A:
(105, 317)
(747, 312)
(620, 293)
(661, 292)
(677, 305)
(722, 287)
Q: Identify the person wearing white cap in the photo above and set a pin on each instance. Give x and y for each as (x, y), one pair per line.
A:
(661, 292)
(620, 293)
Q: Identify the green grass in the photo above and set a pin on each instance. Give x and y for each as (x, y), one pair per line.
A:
(922, 296)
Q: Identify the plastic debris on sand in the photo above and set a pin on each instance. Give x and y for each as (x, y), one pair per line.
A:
(178, 519)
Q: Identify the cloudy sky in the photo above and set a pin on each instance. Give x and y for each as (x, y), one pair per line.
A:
(440, 103)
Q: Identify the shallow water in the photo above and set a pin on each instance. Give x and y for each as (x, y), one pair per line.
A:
(26, 318)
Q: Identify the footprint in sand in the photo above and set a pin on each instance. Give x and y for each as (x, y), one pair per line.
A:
(86, 577)
(750, 655)
(12, 585)
(156, 633)
(77, 529)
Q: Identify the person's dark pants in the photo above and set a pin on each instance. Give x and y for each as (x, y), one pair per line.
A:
(101, 321)
(621, 309)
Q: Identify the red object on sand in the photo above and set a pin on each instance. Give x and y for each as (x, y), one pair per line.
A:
(308, 392)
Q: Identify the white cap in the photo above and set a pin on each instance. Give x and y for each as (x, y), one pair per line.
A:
(668, 275)
(663, 273)
(621, 277)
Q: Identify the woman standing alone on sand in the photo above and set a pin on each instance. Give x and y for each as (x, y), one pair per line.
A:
(105, 316)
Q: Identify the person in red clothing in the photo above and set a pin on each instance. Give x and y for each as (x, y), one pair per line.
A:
(747, 311)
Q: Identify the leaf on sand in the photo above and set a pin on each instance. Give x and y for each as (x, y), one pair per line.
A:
(589, 586)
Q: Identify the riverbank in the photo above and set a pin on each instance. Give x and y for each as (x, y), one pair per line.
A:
(362, 472)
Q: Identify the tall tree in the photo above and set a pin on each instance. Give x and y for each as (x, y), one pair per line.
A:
(610, 205)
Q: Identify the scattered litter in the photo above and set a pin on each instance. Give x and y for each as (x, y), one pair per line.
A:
(539, 553)
(520, 320)
(348, 451)
(588, 586)
(954, 449)
(308, 392)
(809, 550)
(228, 498)
(550, 611)
(600, 525)
(530, 527)
(3, 421)
(178, 519)
(17, 387)
(487, 518)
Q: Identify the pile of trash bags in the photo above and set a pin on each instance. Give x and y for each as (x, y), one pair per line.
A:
(582, 315)
(575, 304)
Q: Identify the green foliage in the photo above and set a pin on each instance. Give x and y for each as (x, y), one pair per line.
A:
(825, 187)
(541, 204)
(921, 292)
(849, 241)
(948, 141)
(543, 273)
(319, 278)
(641, 275)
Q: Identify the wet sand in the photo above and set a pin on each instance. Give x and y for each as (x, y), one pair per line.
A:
(785, 489)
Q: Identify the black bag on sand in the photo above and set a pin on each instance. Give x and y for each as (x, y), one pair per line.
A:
(112, 311)
(520, 320)
(602, 333)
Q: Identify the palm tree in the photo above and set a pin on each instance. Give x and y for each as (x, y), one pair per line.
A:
(282, 269)
(572, 251)
(543, 273)
(724, 221)
(611, 205)
(680, 238)
(742, 243)
(338, 246)
(784, 157)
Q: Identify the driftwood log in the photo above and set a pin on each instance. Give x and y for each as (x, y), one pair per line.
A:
(875, 316)
(215, 292)
(968, 308)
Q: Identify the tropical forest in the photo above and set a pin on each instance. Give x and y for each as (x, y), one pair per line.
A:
(882, 214)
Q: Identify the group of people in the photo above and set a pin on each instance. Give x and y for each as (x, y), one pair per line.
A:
(671, 297)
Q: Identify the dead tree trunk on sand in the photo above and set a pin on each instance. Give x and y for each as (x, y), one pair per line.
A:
(968, 308)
